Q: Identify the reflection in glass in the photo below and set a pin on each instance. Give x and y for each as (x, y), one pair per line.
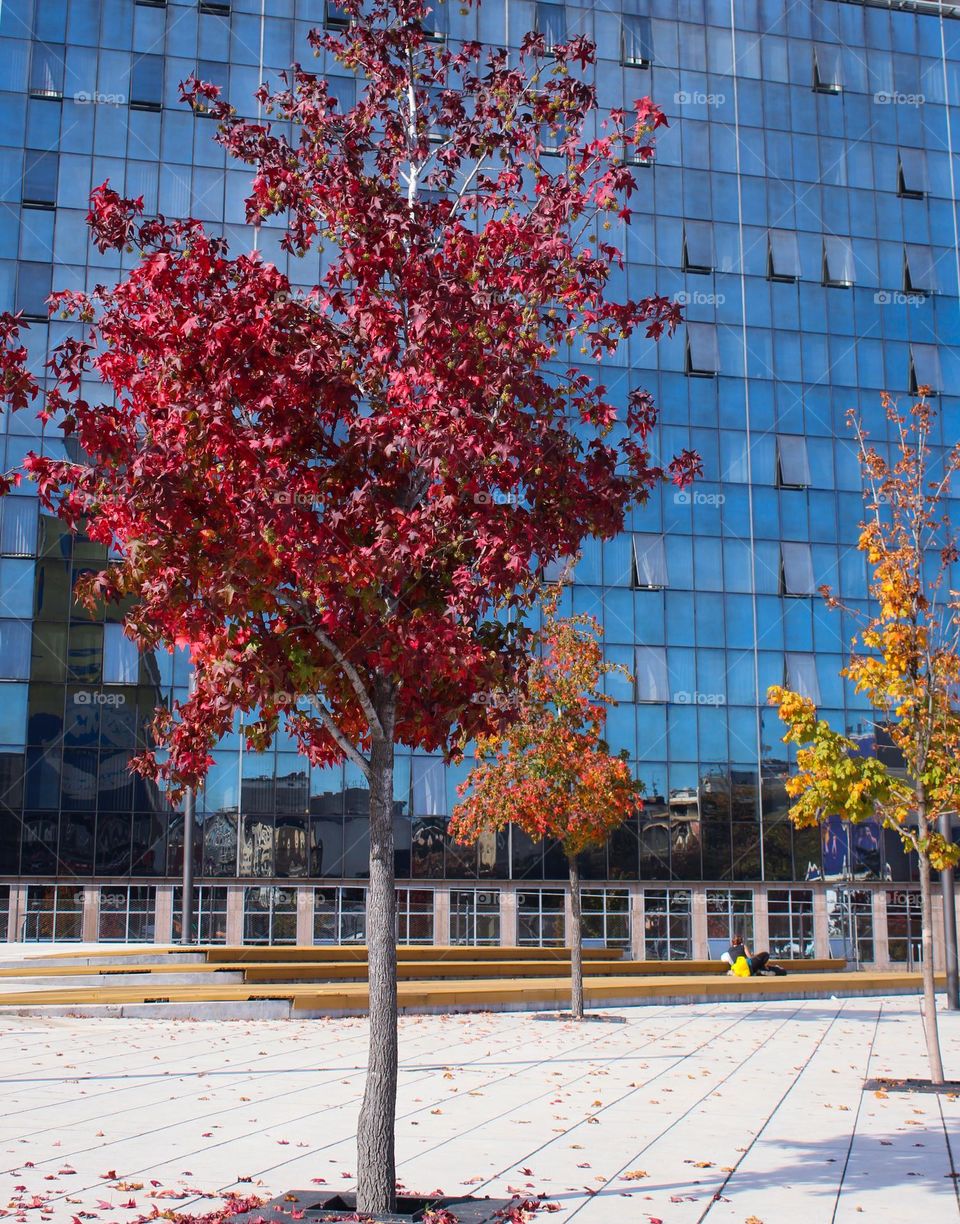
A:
(291, 845)
(339, 915)
(256, 846)
(427, 844)
(605, 917)
(475, 916)
(326, 846)
(114, 841)
(790, 916)
(53, 912)
(526, 856)
(414, 915)
(541, 917)
(209, 914)
(745, 839)
(904, 926)
(220, 844)
(850, 924)
(149, 848)
(729, 913)
(269, 915)
(667, 924)
(128, 913)
(356, 847)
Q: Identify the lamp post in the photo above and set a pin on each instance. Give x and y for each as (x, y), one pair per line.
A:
(186, 920)
(949, 921)
(189, 810)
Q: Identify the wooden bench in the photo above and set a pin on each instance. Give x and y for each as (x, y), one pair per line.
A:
(406, 952)
(462, 994)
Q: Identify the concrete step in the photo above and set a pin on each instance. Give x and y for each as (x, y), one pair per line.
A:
(471, 995)
(358, 952)
(235, 1009)
(142, 956)
(94, 981)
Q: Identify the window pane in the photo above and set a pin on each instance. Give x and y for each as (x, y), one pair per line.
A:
(925, 367)
(428, 787)
(826, 69)
(212, 72)
(335, 16)
(34, 282)
(703, 353)
(146, 81)
(553, 571)
(13, 718)
(636, 41)
(918, 270)
(46, 71)
(40, 178)
(698, 247)
(121, 659)
(344, 89)
(792, 462)
(837, 261)
(551, 23)
(16, 587)
(783, 255)
(14, 650)
(802, 675)
(650, 562)
(19, 537)
(651, 673)
(797, 569)
(913, 172)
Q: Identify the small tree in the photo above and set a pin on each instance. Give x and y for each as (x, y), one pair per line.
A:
(906, 660)
(551, 773)
(331, 495)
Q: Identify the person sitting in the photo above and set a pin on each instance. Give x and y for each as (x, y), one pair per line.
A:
(757, 965)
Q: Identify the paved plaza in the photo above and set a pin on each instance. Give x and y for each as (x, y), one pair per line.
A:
(731, 1112)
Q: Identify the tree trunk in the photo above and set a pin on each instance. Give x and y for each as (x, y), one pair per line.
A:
(576, 941)
(376, 1157)
(931, 1029)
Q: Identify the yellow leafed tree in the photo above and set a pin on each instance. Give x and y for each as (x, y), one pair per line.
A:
(905, 658)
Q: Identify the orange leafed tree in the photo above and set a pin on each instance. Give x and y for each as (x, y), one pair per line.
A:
(905, 658)
(551, 773)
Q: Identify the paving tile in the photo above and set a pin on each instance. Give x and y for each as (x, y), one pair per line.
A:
(688, 1113)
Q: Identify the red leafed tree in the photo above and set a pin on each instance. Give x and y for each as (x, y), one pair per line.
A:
(333, 495)
(551, 773)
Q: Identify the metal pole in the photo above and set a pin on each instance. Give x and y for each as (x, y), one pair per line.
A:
(186, 909)
(949, 921)
(186, 921)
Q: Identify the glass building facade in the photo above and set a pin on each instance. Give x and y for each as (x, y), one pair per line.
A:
(802, 205)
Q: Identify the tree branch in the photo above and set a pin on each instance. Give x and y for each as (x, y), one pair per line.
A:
(349, 751)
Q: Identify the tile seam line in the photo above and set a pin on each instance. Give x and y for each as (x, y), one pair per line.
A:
(244, 1074)
(526, 1158)
(60, 1157)
(790, 1087)
(626, 1096)
(540, 1062)
(695, 1105)
(953, 1168)
(313, 1114)
(856, 1118)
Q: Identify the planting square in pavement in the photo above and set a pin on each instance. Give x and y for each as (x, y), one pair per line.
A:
(683, 1114)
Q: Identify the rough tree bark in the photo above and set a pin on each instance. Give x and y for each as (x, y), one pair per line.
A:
(376, 1157)
(576, 941)
(931, 1028)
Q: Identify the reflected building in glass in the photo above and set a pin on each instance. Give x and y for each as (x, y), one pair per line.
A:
(802, 206)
